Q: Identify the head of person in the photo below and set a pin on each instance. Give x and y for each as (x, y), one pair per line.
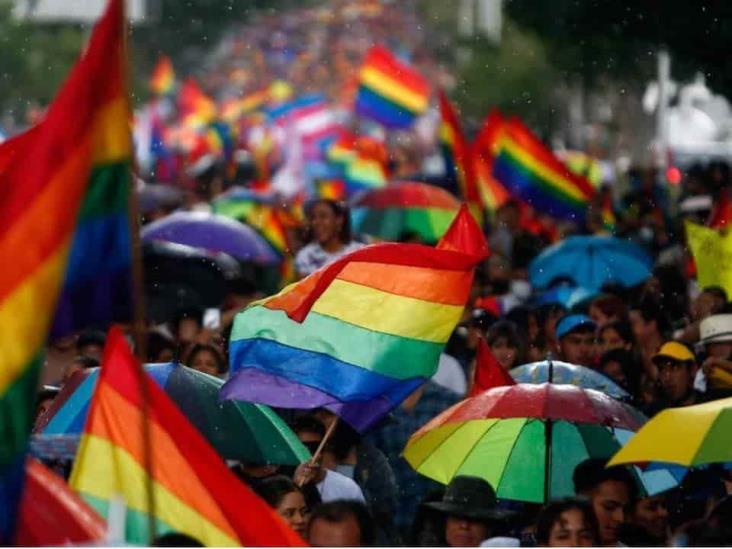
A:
(341, 523)
(187, 325)
(568, 523)
(650, 514)
(648, 320)
(79, 363)
(160, 348)
(285, 497)
(547, 317)
(709, 302)
(44, 399)
(616, 334)
(677, 367)
(607, 308)
(716, 335)
(329, 222)
(576, 339)
(505, 342)
(611, 493)
(90, 343)
(621, 366)
(207, 359)
(471, 510)
(310, 430)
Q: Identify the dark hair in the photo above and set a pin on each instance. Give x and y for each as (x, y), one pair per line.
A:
(221, 366)
(90, 337)
(508, 330)
(86, 362)
(274, 489)
(610, 305)
(340, 511)
(628, 364)
(308, 423)
(344, 438)
(592, 472)
(621, 327)
(339, 209)
(650, 309)
(551, 513)
(716, 291)
(176, 539)
(194, 313)
(156, 344)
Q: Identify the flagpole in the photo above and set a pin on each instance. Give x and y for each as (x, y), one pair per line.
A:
(138, 309)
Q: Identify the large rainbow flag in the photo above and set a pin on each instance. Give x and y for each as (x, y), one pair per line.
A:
(193, 492)
(360, 162)
(456, 154)
(492, 193)
(361, 334)
(530, 171)
(390, 91)
(162, 79)
(59, 183)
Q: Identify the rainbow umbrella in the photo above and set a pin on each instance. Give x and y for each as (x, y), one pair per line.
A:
(237, 430)
(525, 440)
(690, 436)
(405, 208)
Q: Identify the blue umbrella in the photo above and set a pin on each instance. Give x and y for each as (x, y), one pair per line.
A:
(591, 262)
(566, 296)
(215, 233)
(569, 374)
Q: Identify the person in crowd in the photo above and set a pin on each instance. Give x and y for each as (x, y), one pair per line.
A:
(576, 339)
(506, 344)
(471, 512)
(80, 363)
(341, 523)
(160, 347)
(616, 334)
(650, 328)
(622, 367)
(207, 359)
(90, 343)
(187, 326)
(607, 308)
(716, 338)
(285, 497)
(611, 493)
(331, 485)
(648, 522)
(329, 225)
(567, 523)
(547, 317)
(44, 400)
(677, 367)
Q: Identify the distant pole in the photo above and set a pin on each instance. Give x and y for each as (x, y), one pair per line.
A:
(664, 79)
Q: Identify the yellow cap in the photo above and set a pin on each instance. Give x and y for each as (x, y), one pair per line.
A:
(675, 351)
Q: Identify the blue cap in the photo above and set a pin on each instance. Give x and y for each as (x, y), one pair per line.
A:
(569, 323)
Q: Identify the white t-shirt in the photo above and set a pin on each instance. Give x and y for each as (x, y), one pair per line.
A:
(450, 375)
(312, 257)
(337, 486)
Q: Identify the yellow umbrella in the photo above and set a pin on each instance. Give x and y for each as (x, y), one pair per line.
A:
(689, 436)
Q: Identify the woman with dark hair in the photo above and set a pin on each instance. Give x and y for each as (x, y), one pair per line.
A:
(622, 367)
(506, 344)
(207, 359)
(329, 228)
(607, 308)
(285, 497)
(568, 523)
(617, 334)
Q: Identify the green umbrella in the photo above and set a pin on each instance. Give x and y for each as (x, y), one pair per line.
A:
(237, 430)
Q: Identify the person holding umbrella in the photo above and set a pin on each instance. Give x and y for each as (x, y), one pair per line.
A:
(471, 510)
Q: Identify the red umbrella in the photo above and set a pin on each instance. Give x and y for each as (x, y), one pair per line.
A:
(52, 514)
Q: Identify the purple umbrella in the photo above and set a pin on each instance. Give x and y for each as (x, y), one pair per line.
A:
(214, 233)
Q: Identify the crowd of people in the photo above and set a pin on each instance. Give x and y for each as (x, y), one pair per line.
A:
(666, 342)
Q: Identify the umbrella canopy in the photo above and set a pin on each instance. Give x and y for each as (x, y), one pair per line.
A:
(704, 429)
(53, 514)
(399, 209)
(566, 296)
(178, 276)
(212, 232)
(237, 430)
(526, 440)
(591, 262)
(566, 373)
(155, 195)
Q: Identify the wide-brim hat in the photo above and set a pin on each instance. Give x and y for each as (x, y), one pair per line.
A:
(470, 497)
(716, 329)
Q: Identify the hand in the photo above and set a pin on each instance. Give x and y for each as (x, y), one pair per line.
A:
(306, 473)
(714, 362)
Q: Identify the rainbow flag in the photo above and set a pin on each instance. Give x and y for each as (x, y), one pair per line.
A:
(492, 193)
(162, 79)
(330, 189)
(234, 109)
(360, 162)
(61, 183)
(195, 108)
(456, 154)
(531, 172)
(390, 92)
(361, 334)
(193, 492)
(607, 211)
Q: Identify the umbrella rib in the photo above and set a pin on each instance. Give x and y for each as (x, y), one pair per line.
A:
(478, 439)
(698, 450)
(513, 446)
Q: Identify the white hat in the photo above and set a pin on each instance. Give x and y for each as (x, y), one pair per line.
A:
(716, 328)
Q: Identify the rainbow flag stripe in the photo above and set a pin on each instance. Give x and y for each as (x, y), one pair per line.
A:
(192, 489)
(390, 92)
(357, 161)
(162, 79)
(531, 172)
(196, 109)
(492, 193)
(52, 178)
(320, 342)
